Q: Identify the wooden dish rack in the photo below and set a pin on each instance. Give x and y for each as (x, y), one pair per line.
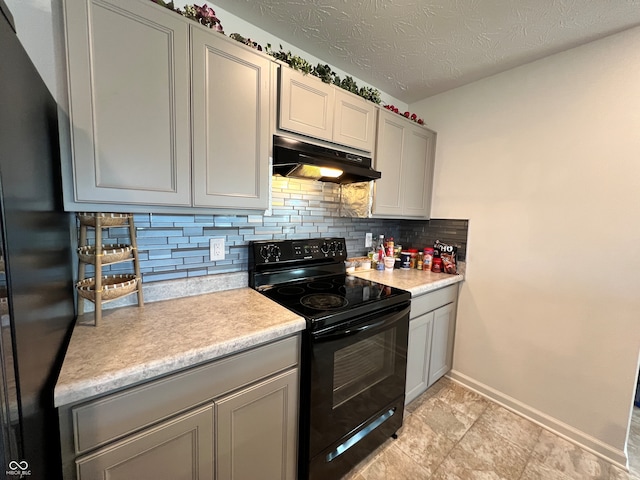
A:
(101, 289)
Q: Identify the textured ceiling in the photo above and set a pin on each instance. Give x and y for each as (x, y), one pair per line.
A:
(412, 49)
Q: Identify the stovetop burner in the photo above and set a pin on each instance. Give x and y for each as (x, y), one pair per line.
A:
(291, 290)
(319, 285)
(324, 301)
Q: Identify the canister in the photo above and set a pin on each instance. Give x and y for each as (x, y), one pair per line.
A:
(405, 260)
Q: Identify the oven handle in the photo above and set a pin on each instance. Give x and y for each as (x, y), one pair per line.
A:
(389, 319)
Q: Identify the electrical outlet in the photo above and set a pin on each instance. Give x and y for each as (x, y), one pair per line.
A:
(216, 249)
(368, 239)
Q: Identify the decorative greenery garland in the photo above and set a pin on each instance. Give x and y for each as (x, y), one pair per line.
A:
(206, 16)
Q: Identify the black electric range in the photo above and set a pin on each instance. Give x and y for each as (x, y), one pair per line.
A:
(353, 359)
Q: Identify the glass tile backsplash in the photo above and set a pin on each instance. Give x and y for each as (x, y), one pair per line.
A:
(177, 246)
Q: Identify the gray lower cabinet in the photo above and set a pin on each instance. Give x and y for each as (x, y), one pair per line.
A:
(420, 335)
(441, 355)
(233, 418)
(246, 419)
(431, 338)
(179, 449)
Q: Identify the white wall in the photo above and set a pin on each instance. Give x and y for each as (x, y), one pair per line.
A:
(544, 160)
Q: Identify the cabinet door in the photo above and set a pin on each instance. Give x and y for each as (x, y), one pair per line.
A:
(420, 334)
(354, 121)
(231, 89)
(441, 355)
(417, 175)
(306, 105)
(178, 449)
(129, 102)
(389, 160)
(257, 430)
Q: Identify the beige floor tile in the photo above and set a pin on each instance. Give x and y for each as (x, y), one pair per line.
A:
(451, 433)
(357, 476)
(394, 464)
(540, 471)
(569, 459)
(466, 401)
(454, 471)
(483, 450)
(422, 444)
(431, 392)
(513, 427)
(444, 418)
(619, 474)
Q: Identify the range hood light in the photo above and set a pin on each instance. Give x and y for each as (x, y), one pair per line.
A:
(298, 159)
(330, 172)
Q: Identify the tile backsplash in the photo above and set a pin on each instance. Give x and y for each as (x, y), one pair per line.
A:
(177, 246)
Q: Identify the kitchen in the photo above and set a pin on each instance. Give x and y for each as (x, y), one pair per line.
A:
(538, 237)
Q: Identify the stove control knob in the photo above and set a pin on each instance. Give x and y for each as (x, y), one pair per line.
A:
(339, 247)
(264, 252)
(275, 251)
(325, 248)
(332, 247)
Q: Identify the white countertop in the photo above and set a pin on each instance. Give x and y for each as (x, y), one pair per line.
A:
(133, 344)
(417, 282)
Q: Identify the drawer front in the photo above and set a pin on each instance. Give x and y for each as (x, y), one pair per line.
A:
(178, 448)
(103, 420)
(432, 300)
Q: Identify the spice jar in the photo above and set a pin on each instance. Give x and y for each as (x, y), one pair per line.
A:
(414, 256)
(420, 261)
(428, 259)
(437, 265)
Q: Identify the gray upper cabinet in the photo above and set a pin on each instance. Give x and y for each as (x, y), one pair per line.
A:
(306, 105)
(354, 121)
(166, 115)
(405, 154)
(128, 67)
(231, 130)
(322, 111)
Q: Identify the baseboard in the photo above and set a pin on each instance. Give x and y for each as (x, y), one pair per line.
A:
(573, 435)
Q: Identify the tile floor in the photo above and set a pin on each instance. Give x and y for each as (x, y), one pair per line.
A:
(451, 433)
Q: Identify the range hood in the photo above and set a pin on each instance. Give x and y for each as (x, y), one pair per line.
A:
(294, 158)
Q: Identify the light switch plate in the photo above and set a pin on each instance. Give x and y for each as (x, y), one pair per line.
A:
(368, 239)
(216, 249)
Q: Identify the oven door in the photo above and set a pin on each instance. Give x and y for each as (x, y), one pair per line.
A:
(358, 370)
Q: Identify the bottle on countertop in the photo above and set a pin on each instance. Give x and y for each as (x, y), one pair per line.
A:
(381, 255)
(389, 247)
(427, 259)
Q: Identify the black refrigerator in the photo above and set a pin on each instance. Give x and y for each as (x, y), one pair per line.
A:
(36, 277)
